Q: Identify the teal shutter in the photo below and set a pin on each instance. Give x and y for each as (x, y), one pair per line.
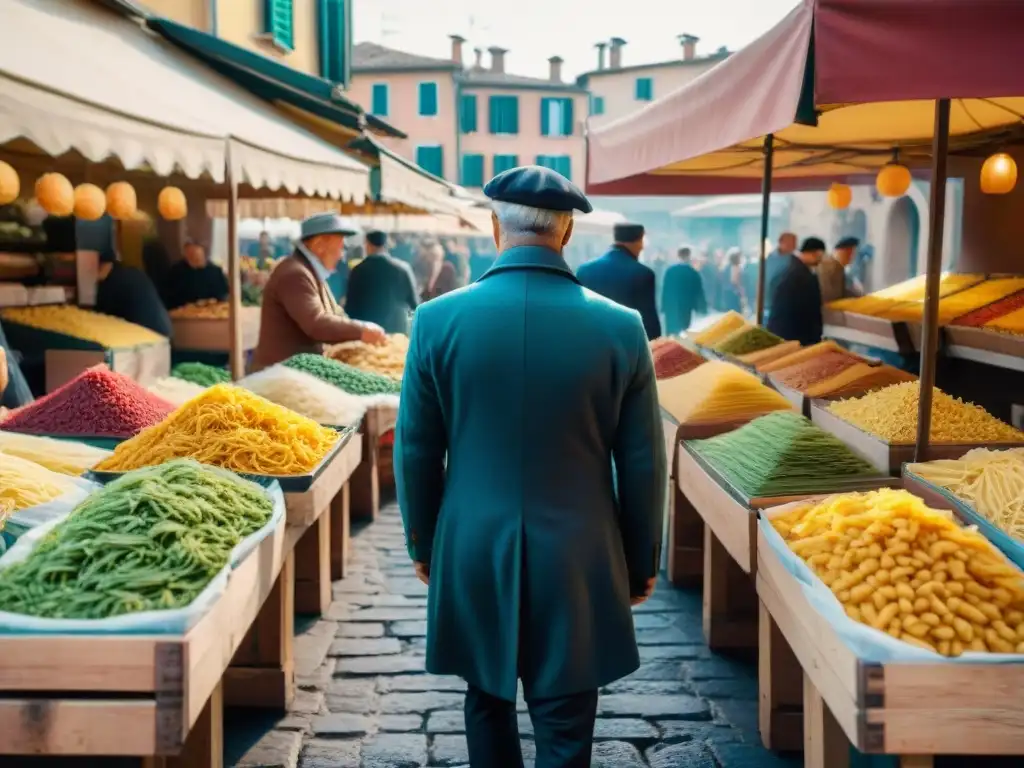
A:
(431, 159)
(467, 113)
(504, 163)
(544, 161)
(335, 39)
(503, 114)
(597, 105)
(545, 116)
(563, 164)
(278, 22)
(379, 100)
(567, 117)
(472, 170)
(428, 99)
(644, 89)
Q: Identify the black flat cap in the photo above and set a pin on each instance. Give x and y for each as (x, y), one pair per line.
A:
(848, 242)
(537, 187)
(377, 238)
(812, 244)
(627, 233)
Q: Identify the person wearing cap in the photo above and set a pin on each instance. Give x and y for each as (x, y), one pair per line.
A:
(796, 298)
(299, 314)
(381, 289)
(833, 275)
(619, 276)
(130, 294)
(531, 474)
(193, 278)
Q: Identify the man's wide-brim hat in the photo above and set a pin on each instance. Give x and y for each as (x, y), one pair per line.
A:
(328, 224)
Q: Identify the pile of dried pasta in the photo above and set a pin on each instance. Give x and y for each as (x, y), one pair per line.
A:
(229, 427)
(307, 395)
(727, 324)
(891, 414)
(66, 457)
(858, 379)
(718, 392)
(175, 391)
(26, 484)
(387, 360)
(107, 330)
(992, 482)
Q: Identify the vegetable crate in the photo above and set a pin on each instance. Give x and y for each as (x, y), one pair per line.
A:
(912, 710)
(155, 697)
(365, 489)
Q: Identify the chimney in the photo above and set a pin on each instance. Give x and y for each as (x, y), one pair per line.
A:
(615, 59)
(689, 43)
(497, 59)
(600, 55)
(555, 62)
(457, 41)
(479, 54)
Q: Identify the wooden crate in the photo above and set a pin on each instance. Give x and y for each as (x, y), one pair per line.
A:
(912, 710)
(144, 364)
(214, 335)
(365, 494)
(152, 696)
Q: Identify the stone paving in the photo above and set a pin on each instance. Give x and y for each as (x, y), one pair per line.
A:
(365, 700)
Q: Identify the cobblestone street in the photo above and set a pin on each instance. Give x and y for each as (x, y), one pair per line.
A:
(365, 700)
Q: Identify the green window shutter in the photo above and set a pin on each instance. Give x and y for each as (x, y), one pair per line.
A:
(503, 114)
(563, 164)
(597, 105)
(379, 100)
(428, 99)
(472, 170)
(545, 116)
(544, 161)
(279, 23)
(335, 39)
(504, 163)
(644, 89)
(467, 113)
(431, 159)
(567, 117)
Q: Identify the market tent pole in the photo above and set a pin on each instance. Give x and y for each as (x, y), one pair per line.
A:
(930, 329)
(235, 349)
(766, 207)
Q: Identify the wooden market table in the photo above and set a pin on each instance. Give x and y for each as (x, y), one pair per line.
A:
(213, 334)
(365, 485)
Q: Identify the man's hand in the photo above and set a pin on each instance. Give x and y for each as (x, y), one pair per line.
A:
(373, 334)
(647, 593)
(422, 572)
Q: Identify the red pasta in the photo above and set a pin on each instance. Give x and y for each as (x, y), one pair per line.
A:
(96, 403)
(673, 359)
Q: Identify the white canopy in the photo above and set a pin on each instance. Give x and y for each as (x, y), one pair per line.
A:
(76, 76)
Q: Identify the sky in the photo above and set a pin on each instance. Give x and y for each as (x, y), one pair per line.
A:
(533, 30)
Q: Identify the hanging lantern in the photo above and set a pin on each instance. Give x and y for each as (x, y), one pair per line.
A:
(998, 174)
(10, 184)
(121, 200)
(55, 194)
(90, 202)
(172, 204)
(893, 180)
(839, 197)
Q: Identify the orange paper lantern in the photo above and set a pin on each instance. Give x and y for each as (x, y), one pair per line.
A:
(121, 200)
(10, 184)
(893, 180)
(998, 174)
(172, 204)
(55, 194)
(90, 202)
(839, 196)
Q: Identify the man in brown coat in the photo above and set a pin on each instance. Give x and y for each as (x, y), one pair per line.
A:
(299, 313)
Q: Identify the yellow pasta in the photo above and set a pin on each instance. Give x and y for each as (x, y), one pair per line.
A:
(387, 360)
(25, 484)
(65, 457)
(229, 427)
(718, 392)
(725, 325)
(798, 356)
(109, 331)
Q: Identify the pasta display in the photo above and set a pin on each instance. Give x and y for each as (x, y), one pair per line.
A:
(25, 484)
(746, 340)
(229, 427)
(672, 358)
(908, 292)
(725, 325)
(891, 414)
(771, 353)
(175, 391)
(207, 309)
(802, 375)
(799, 356)
(902, 568)
(306, 395)
(960, 303)
(200, 373)
(66, 457)
(387, 360)
(858, 379)
(105, 330)
(344, 377)
(718, 392)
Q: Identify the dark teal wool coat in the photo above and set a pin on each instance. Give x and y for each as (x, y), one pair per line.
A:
(520, 391)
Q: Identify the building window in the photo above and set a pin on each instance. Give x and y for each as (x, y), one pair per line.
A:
(596, 105)
(431, 159)
(504, 114)
(644, 89)
(428, 99)
(556, 117)
(560, 163)
(379, 100)
(335, 40)
(278, 22)
(467, 113)
(472, 170)
(504, 162)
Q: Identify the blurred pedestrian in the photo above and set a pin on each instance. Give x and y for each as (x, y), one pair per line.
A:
(682, 293)
(796, 302)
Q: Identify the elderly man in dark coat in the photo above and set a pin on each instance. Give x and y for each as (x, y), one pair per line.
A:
(530, 470)
(796, 300)
(619, 276)
(381, 289)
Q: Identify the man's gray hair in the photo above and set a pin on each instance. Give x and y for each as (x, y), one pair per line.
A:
(516, 219)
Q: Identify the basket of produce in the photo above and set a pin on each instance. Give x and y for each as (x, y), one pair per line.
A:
(149, 553)
(672, 358)
(387, 360)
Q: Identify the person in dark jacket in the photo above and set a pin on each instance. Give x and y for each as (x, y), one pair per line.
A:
(193, 278)
(128, 293)
(776, 263)
(731, 294)
(682, 294)
(619, 276)
(381, 289)
(796, 301)
(14, 391)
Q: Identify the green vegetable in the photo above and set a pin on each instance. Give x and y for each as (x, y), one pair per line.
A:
(152, 539)
(751, 340)
(200, 373)
(346, 377)
(783, 454)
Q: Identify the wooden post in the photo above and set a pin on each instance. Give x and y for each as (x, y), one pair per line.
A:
(340, 533)
(235, 346)
(204, 747)
(766, 212)
(313, 567)
(364, 497)
(780, 688)
(930, 323)
(685, 540)
(825, 744)
(730, 600)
